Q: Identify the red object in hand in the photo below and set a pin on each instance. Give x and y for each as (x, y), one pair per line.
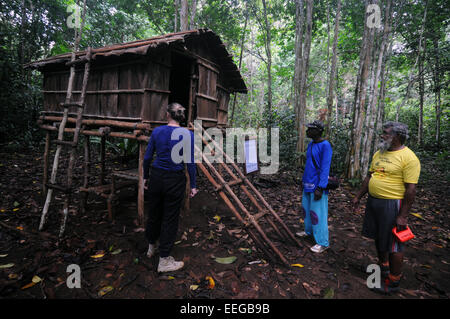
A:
(403, 235)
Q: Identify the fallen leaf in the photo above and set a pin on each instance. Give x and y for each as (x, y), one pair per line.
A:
(226, 260)
(31, 284)
(1, 256)
(217, 218)
(116, 252)
(15, 209)
(98, 256)
(36, 279)
(297, 265)
(329, 293)
(211, 284)
(193, 287)
(418, 216)
(6, 266)
(246, 250)
(19, 227)
(13, 276)
(105, 290)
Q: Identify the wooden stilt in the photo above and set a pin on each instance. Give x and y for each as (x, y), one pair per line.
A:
(87, 160)
(142, 148)
(46, 153)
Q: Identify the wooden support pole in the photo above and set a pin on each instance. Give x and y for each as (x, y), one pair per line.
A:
(95, 122)
(87, 160)
(46, 153)
(102, 159)
(143, 138)
(142, 148)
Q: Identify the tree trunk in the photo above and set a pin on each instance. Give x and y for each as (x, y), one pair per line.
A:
(333, 69)
(175, 16)
(421, 98)
(184, 16)
(299, 121)
(353, 164)
(375, 92)
(193, 14)
(410, 81)
(269, 65)
(437, 91)
(304, 74)
(240, 63)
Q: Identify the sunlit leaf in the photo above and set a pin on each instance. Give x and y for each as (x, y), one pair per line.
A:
(116, 252)
(226, 260)
(211, 283)
(36, 279)
(418, 216)
(297, 265)
(105, 290)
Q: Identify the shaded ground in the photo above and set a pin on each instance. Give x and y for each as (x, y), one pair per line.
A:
(207, 231)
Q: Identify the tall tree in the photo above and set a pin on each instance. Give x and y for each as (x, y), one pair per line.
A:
(371, 114)
(299, 113)
(333, 68)
(359, 109)
(184, 15)
(303, 73)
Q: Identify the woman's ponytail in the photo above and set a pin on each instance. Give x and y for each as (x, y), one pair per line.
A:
(176, 112)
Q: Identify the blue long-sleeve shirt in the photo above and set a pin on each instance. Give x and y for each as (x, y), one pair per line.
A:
(317, 176)
(162, 143)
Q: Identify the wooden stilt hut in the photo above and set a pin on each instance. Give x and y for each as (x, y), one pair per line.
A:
(124, 94)
(129, 87)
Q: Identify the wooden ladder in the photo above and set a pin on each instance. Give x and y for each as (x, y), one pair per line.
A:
(72, 145)
(250, 219)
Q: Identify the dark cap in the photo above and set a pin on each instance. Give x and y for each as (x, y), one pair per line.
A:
(316, 124)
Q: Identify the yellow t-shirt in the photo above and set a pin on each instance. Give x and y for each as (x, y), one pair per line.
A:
(391, 170)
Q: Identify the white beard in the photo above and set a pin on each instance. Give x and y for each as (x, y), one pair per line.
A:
(384, 145)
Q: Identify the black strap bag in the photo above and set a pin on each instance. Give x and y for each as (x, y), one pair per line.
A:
(333, 180)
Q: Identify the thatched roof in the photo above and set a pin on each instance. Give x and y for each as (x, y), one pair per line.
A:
(144, 47)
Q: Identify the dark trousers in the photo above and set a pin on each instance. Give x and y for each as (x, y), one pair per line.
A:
(166, 191)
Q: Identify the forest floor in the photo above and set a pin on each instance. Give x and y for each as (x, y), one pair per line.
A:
(112, 255)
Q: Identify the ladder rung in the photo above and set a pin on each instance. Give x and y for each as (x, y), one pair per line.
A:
(65, 143)
(83, 59)
(59, 188)
(232, 183)
(77, 104)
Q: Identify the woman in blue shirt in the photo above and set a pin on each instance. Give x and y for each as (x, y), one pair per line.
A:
(315, 181)
(166, 183)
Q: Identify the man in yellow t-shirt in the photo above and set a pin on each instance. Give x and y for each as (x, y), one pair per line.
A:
(391, 184)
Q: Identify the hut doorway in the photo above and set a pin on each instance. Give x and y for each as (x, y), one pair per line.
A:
(180, 82)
